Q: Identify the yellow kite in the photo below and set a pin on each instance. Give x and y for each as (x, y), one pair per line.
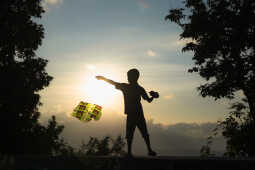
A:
(87, 111)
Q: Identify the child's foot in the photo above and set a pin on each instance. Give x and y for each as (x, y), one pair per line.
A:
(152, 153)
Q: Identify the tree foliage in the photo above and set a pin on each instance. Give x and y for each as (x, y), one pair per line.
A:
(239, 130)
(23, 75)
(222, 38)
(221, 35)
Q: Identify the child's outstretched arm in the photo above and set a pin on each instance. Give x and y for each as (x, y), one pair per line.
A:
(107, 80)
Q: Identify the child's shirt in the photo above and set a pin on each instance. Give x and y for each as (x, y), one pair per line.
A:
(132, 97)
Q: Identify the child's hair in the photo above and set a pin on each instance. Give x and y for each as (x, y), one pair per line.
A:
(133, 75)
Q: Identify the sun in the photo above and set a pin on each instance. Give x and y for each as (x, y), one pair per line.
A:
(99, 92)
(96, 91)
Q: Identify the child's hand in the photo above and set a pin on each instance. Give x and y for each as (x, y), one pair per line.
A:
(99, 77)
(154, 94)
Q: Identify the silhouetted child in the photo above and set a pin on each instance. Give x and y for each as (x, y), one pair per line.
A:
(132, 93)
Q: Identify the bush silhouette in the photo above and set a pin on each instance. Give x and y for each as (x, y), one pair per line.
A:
(106, 146)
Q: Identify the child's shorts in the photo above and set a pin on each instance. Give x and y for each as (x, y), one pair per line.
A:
(134, 120)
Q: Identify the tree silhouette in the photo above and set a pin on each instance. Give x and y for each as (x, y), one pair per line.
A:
(22, 75)
(239, 130)
(221, 34)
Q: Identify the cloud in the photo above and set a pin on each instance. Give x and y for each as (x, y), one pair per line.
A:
(48, 3)
(151, 53)
(143, 4)
(168, 97)
(183, 138)
(180, 139)
(183, 42)
(53, 2)
(91, 67)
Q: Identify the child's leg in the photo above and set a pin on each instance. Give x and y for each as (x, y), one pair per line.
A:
(130, 128)
(143, 129)
(129, 144)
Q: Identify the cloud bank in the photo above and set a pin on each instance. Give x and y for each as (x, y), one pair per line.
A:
(181, 139)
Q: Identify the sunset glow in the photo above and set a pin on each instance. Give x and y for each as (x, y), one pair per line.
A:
(99, 92)
(78, 49)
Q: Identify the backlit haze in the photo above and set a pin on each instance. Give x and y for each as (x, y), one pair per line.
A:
(85, 38)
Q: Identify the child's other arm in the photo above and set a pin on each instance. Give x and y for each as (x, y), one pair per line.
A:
(107, 80)
(150, 99)
(146, 97)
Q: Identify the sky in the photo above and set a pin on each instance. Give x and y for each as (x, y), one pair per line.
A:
(85, 38)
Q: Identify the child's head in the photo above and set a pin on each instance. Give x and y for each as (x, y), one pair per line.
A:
(133, 75)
